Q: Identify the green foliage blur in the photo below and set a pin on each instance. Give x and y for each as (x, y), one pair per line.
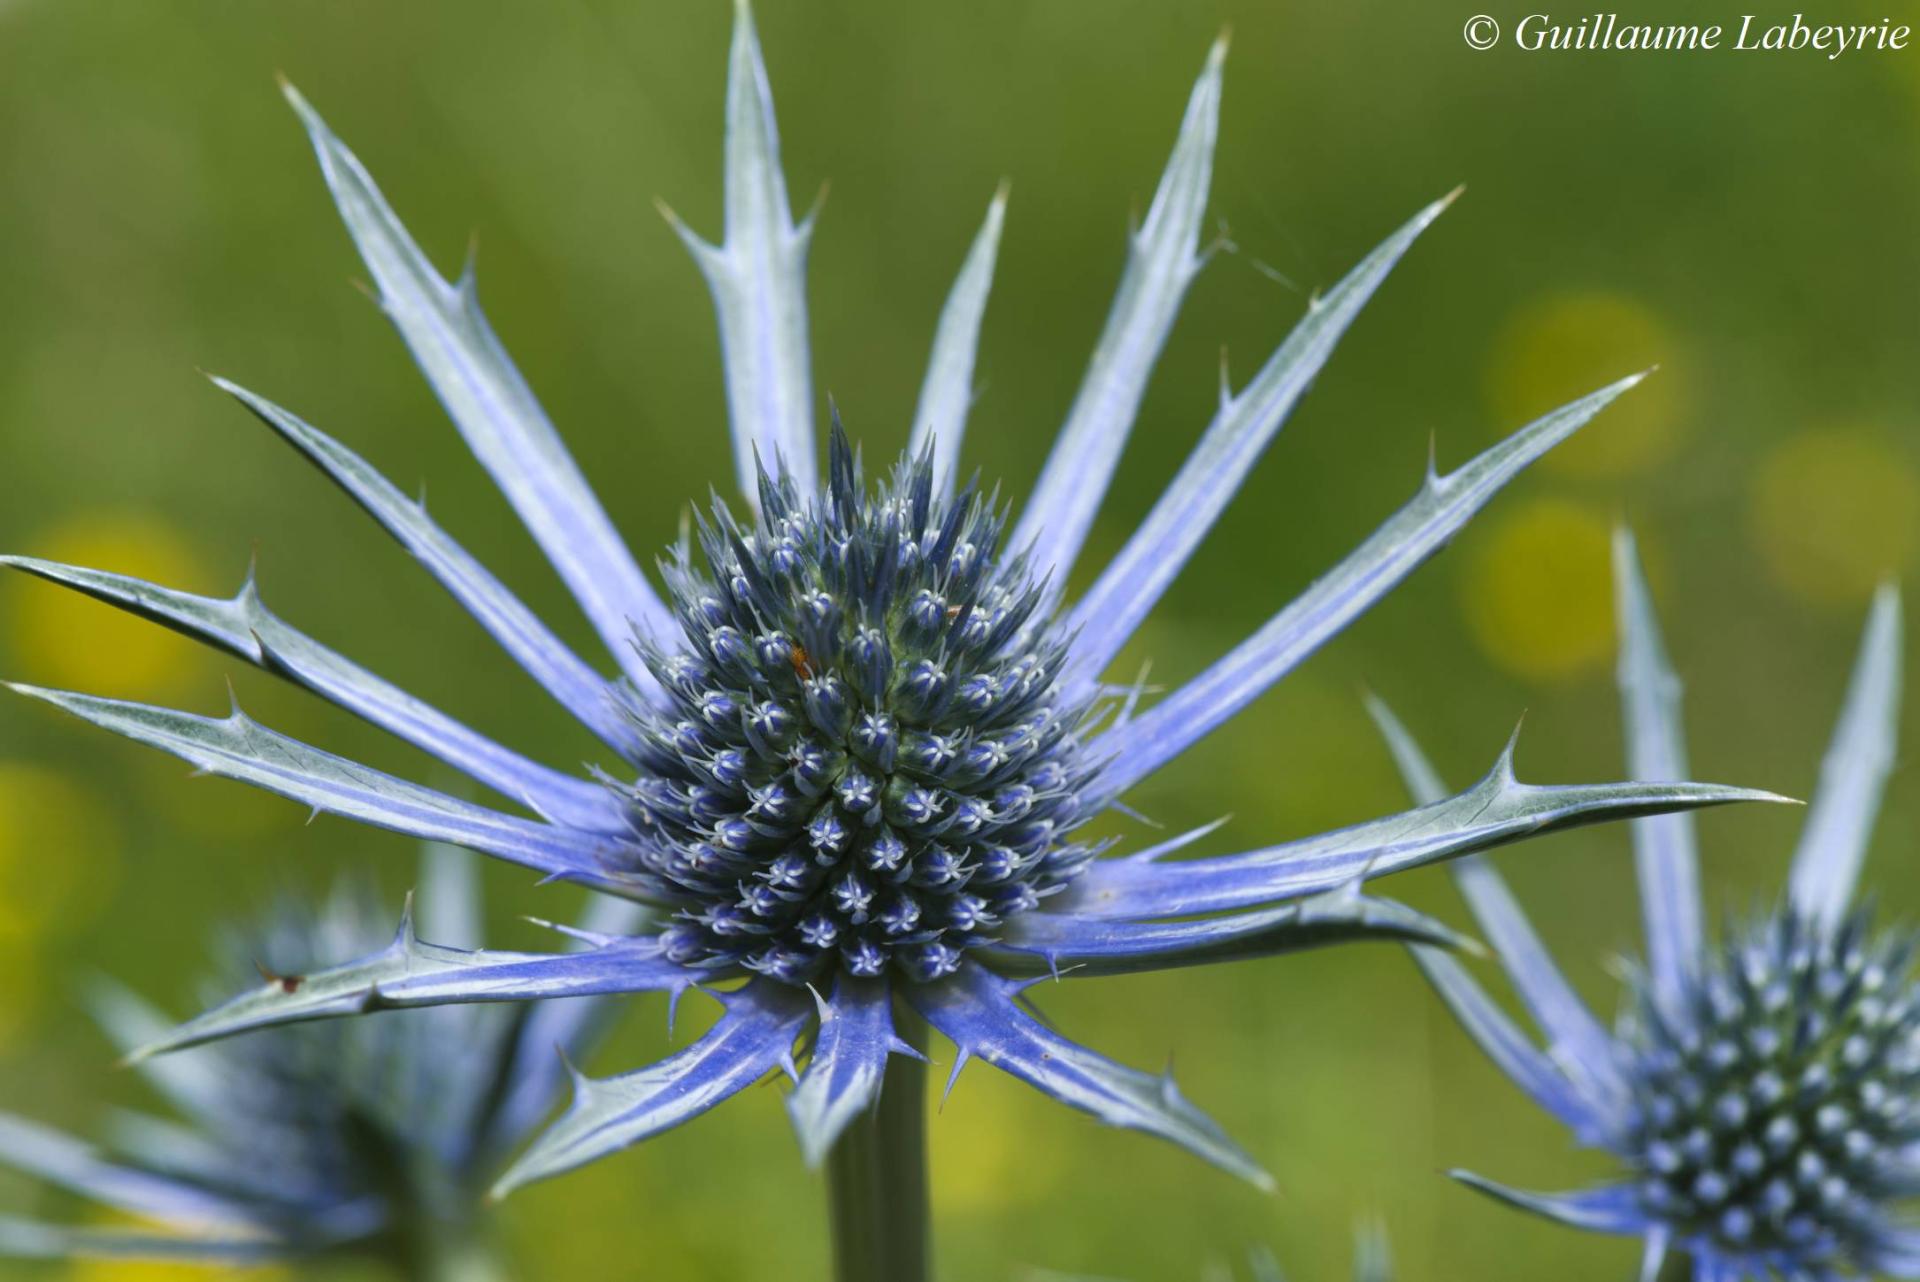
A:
(1748, 222)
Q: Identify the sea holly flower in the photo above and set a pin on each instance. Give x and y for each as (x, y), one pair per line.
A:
(857, 733)
(372, 1138)
(1759, 1093)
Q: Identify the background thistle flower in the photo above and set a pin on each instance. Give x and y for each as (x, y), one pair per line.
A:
(373, 1138)
(1759, 1095)
(857, 741)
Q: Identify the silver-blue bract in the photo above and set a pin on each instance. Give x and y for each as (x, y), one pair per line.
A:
(373, 1137)
(855, 746)
(1762, 1095)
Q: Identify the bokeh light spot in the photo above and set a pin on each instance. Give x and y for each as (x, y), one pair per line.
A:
(1538, 590)
(1561, 347)
(59, 852)
(993, 1150)
(1834, 511)
(60, 637)
(229, 814)
(19, 988)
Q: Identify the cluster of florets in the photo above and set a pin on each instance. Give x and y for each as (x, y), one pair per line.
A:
(866, 760)
(1776, 1112)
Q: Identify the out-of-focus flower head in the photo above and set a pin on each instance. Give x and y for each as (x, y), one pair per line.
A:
(1762, 1093)
(373, 1137)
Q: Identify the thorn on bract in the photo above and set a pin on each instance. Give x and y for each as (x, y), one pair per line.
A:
(953, 1077)
(666, 212)
(819, 203)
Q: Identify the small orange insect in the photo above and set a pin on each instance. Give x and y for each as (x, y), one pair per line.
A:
(285, 983)
(802, 665)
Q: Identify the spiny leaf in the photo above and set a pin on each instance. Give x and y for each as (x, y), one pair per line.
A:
(1058, 942)
(413, 972)
(1496, 810)
(33, 1240)
(753, 1037)
(1826, 864)
(940, 419)
(758, 278)
(1609, 1209)
(1663, 845)
(975, 1010)
(1127, 589)
(237, 747)
(245, 627)
(843, 1076)
(494, 408)
(532, 645)
(1163, 258)
(1410, 536)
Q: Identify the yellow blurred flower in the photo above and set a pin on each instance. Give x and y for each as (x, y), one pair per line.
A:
(60, 637)
(1834, 511)
(1538, 591)
(1555, 349)
(59, 852)
(159, 1271)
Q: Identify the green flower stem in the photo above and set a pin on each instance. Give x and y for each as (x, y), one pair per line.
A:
(429, 1249)
(464, 1258)
(877, 1176)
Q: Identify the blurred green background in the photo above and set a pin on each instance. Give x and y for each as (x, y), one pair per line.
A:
(1748, 222)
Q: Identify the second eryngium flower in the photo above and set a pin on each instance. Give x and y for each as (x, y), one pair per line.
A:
(374, 1139)
(1762, 1095)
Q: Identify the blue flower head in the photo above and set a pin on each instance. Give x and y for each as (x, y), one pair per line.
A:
(865, 760)
(858, 732)
(1762, 1096)
(365, 1137)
